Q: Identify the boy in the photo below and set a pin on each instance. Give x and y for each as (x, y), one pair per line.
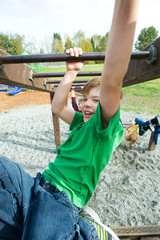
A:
(47, 207)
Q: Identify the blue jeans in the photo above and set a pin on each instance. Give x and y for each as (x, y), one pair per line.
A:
(31, 209)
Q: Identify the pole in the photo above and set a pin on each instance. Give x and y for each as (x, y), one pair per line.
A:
(63, 57)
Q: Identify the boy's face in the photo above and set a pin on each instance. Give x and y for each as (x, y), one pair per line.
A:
(90, 102)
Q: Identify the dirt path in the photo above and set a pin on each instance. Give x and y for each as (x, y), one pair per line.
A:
(24, 98)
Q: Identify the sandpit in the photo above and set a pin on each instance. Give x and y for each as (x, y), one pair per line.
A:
(128, 192)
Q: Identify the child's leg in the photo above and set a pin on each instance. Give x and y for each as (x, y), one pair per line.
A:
(28, 211)
(53, 216)
(15, 189)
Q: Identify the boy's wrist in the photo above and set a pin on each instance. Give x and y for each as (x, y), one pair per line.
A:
(71, 73)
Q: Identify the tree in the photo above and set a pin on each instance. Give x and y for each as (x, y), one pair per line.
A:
(57, 44)
(12, 43)
(79, 40)
(146, 36)
(93, 44)
(99, 42)
(87, 45)
(68, 42)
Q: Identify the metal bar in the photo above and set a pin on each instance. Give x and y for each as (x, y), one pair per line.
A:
(58, 81)
(79, 89)
(92, 56)
(61, 74)
(73, 85)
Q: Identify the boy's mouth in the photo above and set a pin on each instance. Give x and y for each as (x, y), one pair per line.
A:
(88, 113)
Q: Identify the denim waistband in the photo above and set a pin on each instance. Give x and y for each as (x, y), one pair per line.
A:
(48, 186)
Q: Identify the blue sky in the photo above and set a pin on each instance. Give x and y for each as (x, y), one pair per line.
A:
(39, 19)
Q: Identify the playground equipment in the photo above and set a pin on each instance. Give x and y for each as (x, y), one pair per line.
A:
(4, 88)
(144, 66)
(15, 91)
(33, 66)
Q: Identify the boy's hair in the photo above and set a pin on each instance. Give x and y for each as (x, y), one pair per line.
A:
(80, 100)
(94, 82)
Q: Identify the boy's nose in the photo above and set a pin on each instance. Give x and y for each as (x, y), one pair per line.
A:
(88, 103)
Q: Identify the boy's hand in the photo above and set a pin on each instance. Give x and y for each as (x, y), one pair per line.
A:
(74, 66)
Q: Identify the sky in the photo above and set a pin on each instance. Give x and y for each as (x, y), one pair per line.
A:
(37, 20)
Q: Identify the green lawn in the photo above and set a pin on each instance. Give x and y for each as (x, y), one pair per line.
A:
(62, 68)
(144, 97)
(140, 98)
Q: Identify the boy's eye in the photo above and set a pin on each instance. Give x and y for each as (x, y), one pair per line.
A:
(84, 99)
(95, 100)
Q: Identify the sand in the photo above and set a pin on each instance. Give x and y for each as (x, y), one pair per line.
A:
(128, 192)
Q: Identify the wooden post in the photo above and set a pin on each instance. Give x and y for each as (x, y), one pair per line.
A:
(149, 238)
(137, 232)
(56, 125)
(152, 145)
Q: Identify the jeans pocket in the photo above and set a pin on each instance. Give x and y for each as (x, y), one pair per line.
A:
(9, 201)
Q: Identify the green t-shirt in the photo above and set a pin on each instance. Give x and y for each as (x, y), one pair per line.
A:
(83, 156)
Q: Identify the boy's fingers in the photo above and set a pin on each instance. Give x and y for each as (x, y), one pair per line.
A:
(71, 52)
(75, 50)
(67, 51)
(80, 51)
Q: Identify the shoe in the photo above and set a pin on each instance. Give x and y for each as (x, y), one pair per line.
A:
(104, 232)
(142, 124)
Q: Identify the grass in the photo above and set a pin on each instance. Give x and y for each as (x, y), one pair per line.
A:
(62, 68)
(140, 98)
(144, 97)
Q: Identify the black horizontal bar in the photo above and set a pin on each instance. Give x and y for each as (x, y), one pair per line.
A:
(73, 85)
(61, 74)
(58, 81)
(61, 57)
(78, 89)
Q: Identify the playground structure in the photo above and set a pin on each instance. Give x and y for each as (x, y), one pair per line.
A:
(144, 66)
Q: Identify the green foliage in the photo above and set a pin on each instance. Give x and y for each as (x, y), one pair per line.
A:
(68, 42)
(96, 40)
(12, 43)
(146, 36)
(79, 40)
(100, 42)
(93, 44)
(57, 44)
(57, 35)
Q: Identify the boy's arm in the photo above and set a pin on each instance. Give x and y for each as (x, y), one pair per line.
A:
(61, 95)
(117, 57)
